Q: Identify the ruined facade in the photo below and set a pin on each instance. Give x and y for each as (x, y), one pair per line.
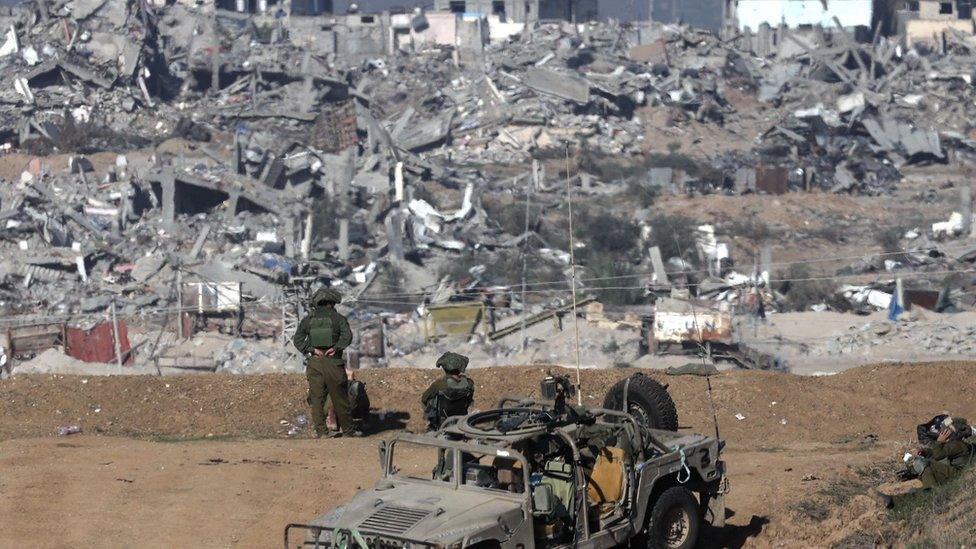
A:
(705, 14)
(929, 20)
(523, 11)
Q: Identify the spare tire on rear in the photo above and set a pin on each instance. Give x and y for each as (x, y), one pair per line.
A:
(647, 400)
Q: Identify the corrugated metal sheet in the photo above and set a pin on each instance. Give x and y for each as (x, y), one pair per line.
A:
(851, 13)
(96, 344)
(454, 319)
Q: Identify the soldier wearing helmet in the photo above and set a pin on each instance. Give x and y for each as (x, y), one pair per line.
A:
(321, 337)
(450, 395)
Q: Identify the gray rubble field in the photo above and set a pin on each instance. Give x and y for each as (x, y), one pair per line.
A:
(176, 180)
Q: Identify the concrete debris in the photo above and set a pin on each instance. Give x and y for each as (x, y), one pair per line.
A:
(936, 338)
(271, 153)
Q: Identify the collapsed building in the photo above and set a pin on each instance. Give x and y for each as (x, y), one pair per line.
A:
(256, 156)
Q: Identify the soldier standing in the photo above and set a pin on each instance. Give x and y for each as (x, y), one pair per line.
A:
(451, 395)
(322, 336)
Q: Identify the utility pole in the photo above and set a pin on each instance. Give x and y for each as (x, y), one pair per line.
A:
(525, 255)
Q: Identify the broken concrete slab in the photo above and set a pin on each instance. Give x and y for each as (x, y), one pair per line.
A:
(565, 86)
(652, 53)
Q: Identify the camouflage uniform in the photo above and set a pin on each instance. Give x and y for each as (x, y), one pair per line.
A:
(945, 460)
(326, 374)
(456, 385)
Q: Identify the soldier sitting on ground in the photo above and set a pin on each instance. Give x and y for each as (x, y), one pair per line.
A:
(451, 395)
(940, 463)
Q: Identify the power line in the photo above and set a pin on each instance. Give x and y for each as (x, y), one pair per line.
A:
(916, 274)
(644, 274)
(391, 299)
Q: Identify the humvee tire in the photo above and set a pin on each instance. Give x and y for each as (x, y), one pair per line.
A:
(675, 520)
(647, 400)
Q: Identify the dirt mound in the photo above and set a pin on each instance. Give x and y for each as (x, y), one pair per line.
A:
(867, 403)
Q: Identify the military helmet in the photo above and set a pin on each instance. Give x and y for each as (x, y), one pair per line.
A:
(452, 363)
(326, 295)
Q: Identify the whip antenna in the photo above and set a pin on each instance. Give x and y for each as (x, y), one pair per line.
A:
(701, 346)
(572, 261)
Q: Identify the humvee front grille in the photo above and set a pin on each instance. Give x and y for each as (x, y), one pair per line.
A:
(393, 519)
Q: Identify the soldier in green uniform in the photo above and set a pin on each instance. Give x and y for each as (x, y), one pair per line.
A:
(451, 395)
(937, 465)
(322, 336)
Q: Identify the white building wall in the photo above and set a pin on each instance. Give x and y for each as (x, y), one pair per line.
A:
(851, 13)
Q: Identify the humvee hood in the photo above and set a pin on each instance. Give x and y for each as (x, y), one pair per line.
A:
(425, 512)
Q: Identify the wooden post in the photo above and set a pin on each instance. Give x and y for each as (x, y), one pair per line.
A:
(115, 337)
(179, 303)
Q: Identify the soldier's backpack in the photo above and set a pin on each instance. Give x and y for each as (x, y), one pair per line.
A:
(358, 400)
(322, 332)
(451, 401)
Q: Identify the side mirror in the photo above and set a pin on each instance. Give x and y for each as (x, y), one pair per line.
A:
(543, 500)
(382, 452)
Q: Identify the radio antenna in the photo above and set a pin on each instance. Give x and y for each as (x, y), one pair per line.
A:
(701, 346)
(572, 261)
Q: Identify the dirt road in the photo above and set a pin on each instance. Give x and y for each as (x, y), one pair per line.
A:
(798, 460)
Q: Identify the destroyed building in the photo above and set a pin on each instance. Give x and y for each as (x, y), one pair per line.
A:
(928, 21)
(518, 11)
(238, 160)
(710, 15)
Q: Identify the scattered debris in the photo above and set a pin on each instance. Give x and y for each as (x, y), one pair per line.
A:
(66, 430)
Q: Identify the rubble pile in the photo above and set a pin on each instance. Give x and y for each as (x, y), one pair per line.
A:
(937, 338)
(163, 145)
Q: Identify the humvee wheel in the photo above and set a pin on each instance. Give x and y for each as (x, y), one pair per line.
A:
(674, 522)
(647, 400)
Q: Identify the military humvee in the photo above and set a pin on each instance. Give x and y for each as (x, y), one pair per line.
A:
(539, 473)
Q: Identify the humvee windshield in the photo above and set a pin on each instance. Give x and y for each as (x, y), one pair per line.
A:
(422, 462)
(500, 470)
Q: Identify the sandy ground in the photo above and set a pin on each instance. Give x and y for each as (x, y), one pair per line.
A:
(126, 493)
(204, 461)
(881, 401)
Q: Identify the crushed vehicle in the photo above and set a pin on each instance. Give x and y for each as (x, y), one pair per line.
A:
(680, 328)
(539, 473)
